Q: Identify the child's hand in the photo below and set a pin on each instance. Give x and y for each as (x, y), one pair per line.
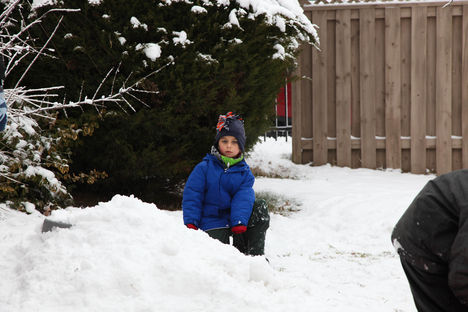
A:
(192, 226)
(239, 229)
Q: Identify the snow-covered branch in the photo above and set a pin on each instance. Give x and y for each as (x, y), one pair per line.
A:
(33, 153)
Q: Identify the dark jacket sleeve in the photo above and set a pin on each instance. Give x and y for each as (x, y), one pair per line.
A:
(426, 232)
(242, 202)
(194, 195)
(433, 232)
(458, 254)
(458, 264)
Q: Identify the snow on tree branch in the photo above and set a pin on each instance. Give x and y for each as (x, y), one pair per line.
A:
(33, 156)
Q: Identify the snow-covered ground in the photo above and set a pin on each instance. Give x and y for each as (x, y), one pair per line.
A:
(333, 254)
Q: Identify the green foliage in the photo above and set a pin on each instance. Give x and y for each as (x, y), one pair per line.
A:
(151, 151)
(30, 161)
(34, 162)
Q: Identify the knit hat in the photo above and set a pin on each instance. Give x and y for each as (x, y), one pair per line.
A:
(231, 125)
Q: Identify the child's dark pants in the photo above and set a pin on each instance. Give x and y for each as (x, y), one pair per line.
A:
(430, 291)
(252, 242)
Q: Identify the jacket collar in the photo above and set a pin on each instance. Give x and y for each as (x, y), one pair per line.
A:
(215, 157)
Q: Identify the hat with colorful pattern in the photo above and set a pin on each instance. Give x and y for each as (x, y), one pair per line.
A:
(231, 125)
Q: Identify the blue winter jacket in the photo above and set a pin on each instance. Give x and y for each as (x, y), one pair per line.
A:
(218, 197)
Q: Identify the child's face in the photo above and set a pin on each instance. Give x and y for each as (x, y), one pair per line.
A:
(228, 146)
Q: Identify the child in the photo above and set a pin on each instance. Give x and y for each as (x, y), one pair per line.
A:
(218, 196)
(432, 240)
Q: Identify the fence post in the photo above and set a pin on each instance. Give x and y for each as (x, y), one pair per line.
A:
(444, 90)
(418, 89)
(465, 87)
(393, 88)
(319, 94)
(297, 111)
(343, 88)
(367, 64)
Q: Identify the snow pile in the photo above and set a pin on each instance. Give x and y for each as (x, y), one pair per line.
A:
(125, 255)
(334, 254)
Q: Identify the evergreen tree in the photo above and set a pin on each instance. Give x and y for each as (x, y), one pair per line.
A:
(34, 149)
(224, 57)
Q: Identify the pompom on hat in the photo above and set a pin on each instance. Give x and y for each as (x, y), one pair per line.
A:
(231, 125)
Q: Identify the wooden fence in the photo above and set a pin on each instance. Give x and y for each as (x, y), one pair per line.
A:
(388, 88)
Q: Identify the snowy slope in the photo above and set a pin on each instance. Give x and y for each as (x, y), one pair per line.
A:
(334, 254)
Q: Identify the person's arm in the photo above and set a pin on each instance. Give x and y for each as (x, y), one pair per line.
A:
(242, 202)
(194, 194)
(458, 263)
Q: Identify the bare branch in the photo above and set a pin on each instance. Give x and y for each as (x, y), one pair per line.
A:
(115, 77)
(136, 98)
(7, 12)
(10, 178)
(40, 52)
(102, 82)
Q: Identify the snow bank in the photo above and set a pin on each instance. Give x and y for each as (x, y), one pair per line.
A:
(334, 254)
(123, 255)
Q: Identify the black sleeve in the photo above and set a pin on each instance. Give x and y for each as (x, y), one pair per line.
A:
(458, 269)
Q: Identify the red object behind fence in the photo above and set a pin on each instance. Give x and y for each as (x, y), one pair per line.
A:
(284, 96)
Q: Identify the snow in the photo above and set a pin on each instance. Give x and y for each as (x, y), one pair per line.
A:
(40, 3)
(122, 41)
(235, 41)
(198, 9)
(47, 174)
(151, 50)
(136, 23)
(180, 37)
(233, 18)
(280, 13)
(384, 2)
(279, 51)
(206, 58)
(331, 252)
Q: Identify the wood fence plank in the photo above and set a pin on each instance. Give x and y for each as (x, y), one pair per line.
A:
(457, 48)
(418, 89)
(405, 70)
(392, 88)
(367, 66)
(306, 100)
(296, 106)
(431, 90)
(465, 87)
(319, 91)
(343, 87)
(380, 90)
(444, 90)
(331, 86)
(417, 73)
(355, 92)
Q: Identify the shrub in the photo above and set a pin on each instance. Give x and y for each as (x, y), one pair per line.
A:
(224, 56)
